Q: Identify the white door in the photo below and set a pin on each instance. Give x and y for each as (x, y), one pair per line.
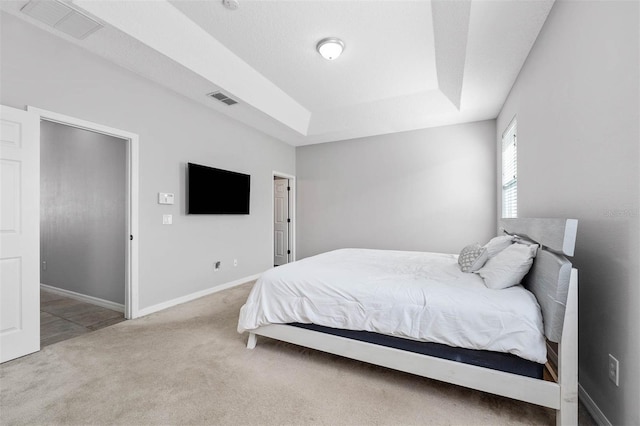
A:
(19, 233)
(280, 222)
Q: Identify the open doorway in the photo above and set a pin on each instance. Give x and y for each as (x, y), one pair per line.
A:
(283, 218)
(82, 231)
(87, 217)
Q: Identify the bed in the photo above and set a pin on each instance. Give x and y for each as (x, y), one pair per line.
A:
(418, 313)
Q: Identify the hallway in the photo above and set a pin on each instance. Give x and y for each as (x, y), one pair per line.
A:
(63, 318)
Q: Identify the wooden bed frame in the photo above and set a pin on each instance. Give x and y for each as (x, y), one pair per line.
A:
(557, 236)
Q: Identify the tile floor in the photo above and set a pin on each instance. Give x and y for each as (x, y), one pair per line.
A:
(63, 318)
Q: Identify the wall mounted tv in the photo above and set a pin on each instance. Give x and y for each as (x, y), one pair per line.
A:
(216, 191)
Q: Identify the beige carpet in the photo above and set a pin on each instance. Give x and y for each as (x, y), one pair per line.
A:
(188, 365)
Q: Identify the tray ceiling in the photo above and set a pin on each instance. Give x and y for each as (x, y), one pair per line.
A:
(407, 64)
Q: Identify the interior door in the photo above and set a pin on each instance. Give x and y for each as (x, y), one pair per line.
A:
(281, 222)
(19, 233)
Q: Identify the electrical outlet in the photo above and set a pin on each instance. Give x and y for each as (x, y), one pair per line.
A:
(614, 370)
(216, 266)
(235, 262)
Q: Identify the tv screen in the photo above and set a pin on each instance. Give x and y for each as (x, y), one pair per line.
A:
(216, 191)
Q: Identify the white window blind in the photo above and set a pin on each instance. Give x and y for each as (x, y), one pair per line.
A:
(510, 171)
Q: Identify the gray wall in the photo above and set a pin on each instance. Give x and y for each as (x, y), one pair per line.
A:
(175, 260)
(426, 190)
(576, 100)
(83, 177)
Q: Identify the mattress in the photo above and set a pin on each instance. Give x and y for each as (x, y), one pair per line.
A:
(412, 295)
(500, 361)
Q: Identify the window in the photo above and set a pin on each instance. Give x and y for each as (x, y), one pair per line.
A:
(510, 171)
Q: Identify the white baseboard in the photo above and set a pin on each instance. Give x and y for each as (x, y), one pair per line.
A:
(196, 295)
(592, 408)
(84, 298)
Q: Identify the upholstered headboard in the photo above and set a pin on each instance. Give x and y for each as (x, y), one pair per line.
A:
(550, 274)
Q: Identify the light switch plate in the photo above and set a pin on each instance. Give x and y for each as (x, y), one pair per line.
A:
(165, 198)
(167, 219)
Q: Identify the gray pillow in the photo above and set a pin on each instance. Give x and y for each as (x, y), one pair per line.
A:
(472, 257)
(508, 267)
(497, 244)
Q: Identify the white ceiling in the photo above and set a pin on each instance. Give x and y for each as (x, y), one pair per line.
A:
(407, 64)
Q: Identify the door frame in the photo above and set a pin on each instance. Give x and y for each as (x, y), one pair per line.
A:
(292, 214)
(131, 305)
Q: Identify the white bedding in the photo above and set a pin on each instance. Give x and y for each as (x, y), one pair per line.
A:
(415, 295)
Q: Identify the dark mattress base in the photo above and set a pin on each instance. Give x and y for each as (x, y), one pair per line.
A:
(494, 360)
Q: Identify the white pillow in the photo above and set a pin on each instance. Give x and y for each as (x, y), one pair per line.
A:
(497, 244)
(508, 267)
(472, 257)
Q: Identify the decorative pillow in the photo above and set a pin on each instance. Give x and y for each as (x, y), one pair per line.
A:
(472, 257)
(508, 267)
(497, 244)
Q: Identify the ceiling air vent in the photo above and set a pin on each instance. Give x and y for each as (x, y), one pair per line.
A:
(61, 17)
(222, 98)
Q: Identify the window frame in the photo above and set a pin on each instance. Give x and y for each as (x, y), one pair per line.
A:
(509, 170)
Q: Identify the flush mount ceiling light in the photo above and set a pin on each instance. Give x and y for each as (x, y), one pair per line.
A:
(231, 4)
(330, 48)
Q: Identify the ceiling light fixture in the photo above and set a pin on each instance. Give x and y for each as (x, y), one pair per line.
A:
(231, 4)
(330, 48)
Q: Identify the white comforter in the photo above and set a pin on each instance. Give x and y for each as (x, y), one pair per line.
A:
(415, 295)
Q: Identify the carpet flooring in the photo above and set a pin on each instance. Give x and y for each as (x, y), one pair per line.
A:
(187, 365)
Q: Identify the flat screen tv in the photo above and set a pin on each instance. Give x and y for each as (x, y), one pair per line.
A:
(216, 191)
